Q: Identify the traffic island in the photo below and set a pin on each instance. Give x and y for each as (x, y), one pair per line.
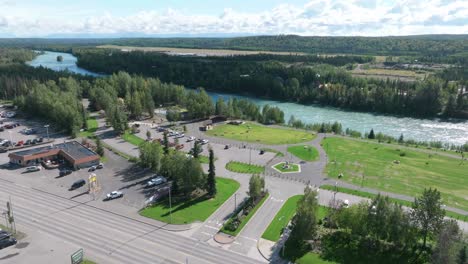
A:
(287, 167)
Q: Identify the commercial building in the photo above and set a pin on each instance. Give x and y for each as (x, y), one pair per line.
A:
(72, 152)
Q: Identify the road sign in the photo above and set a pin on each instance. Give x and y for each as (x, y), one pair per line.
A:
(77, 257)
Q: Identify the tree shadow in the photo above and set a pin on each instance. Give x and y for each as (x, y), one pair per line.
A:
(183, 205)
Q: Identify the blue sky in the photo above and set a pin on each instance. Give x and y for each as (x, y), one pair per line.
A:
(28, 18)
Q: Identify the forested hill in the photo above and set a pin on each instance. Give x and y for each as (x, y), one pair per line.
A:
(422, 45)
(407, 45)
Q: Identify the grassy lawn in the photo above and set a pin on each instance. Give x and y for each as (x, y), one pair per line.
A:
(251, 132)
(398, 201)
(246, 219)
(284, 216)
(278, 153)
(85, 261)
(204, 159)
(198, 209)
(92, 127)
(132, 139)
(374, 166)
(241, 167)
(312, 258)
(307, 153)
(292, 167)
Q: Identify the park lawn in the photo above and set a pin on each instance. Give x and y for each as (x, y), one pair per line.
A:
(241, 167)
(372, 165)
(284, 216)
(198, 209)
(132, 139)
(395, 200)
(250, 132)
(292, 167)
(246, 219)
(204, 159)
(312, 258)
(92, 125)
(304, 152)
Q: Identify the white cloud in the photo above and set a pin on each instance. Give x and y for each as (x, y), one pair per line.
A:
(317, 17)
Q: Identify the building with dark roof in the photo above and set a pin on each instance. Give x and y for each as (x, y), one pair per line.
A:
(77, 155)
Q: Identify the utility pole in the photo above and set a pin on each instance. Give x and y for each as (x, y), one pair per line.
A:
(170, 203)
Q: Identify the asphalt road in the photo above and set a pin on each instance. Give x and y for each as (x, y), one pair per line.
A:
(105, 236)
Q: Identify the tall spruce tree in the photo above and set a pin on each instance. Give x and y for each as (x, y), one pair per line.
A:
(211, 181)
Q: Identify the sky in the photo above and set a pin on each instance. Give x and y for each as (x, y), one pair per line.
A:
(94, 18)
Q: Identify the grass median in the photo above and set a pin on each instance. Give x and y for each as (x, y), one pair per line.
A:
(397, 170)
(132, 139)
(304, 152)
(241, 167)
(291, 167)
(284, 216)
(251, 132)
(198, 209)
(246, 219)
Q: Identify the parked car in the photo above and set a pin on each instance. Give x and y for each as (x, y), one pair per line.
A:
(100, 166)
(65, 172)
(34, 141)
(3, 150)
(180, 135)
(262, 152)
(40, 140)
(92, 168)
(77, 184)
(113, 195)
(226, 147)
(2, 129)
(190, 139)
(9, 126)
(33, 168)
(7, 242)
(28, 142)
(345, 203)
(156, 181)
(204, 141)
(19, 143)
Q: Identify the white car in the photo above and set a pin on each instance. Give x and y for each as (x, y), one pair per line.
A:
(190, 139)
(180, 135)
(345, 203)
(33, 169)
(113, 195)
(156, 181)
(205, 141)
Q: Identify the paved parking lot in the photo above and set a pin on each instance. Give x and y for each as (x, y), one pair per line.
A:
(234, 153)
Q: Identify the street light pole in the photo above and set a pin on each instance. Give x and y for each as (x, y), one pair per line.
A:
(47, 129)
(170, 203)
(235, 202)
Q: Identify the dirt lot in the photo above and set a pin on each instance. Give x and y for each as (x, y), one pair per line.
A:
(196, 52)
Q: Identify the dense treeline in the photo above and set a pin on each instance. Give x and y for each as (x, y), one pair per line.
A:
(378, 231)
(435, 45)
(58, 103)
(15, 55)
(321, 84)
(122, 94)
(430, 45)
